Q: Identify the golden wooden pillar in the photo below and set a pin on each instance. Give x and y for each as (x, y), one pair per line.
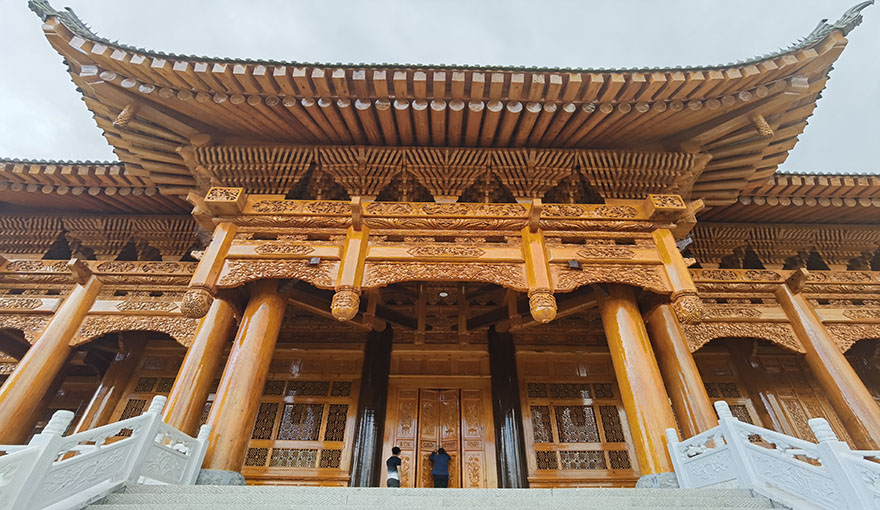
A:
(848, 395)
(683, 382)
(22, 392)
(193, 383)
(641, 386)
(113, 384)
(241, 386)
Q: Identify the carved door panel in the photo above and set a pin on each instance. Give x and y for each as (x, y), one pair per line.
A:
(404, 417)
(439, 419)
(475, 464)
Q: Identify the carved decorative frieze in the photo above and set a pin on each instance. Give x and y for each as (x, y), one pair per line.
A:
(390, 208)
(778, 333)
(146, 306)
(223, 194)
(644, 276)
(606, 252)
(730, 312)
(21, 303)
(284, 248)
(181, 329)
(667, 201)
(380, 274)
(277, 206)
(445, 251)
(7, 368)
(279, 221)
(239, 272)
(29, 324)
(862, 313)
(845, 335)
(565, 210)
(26, 266)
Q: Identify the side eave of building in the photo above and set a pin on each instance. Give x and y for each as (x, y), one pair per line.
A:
(746, 115)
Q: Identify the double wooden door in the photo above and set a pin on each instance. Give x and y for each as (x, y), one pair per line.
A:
(422, 419)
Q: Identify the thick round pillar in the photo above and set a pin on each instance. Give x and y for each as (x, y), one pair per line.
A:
(241, 386)
(683, 382)
(25, 388)
(848, 395)
(113, 384)
(193, 383)
(366, 464)
(638, 377)
(507, 411)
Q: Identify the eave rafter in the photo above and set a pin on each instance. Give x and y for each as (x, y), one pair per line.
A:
(149, 104)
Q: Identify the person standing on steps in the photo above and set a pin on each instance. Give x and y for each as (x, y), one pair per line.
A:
(440, 471)
(393, 464)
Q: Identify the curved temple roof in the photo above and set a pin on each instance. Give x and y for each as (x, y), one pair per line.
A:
(746, 115)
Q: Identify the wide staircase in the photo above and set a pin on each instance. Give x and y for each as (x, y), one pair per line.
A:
(203, 497)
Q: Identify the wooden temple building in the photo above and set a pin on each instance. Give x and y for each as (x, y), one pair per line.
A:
(538, 269)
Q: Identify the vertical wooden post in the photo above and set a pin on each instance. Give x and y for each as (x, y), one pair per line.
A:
(851, 400)
(113, 384)
(683, 382)
(193, 382)
(641, 386)
(241, 386)
(507, 412)
(366, 464)
(39, 366)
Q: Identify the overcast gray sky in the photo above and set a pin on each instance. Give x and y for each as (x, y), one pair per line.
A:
(42, 116)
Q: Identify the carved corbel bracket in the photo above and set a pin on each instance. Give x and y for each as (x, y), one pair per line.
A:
(688, 306)
(197, 300)
(542, 305)
(346, 303)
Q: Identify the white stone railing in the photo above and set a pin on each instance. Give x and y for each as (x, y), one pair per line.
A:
(65, 472)
(788, 470)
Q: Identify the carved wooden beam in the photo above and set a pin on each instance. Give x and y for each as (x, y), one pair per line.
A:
(542, 304)
(202, 286)
(346, 301)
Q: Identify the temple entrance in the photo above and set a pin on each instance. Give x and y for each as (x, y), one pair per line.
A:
(424, 415)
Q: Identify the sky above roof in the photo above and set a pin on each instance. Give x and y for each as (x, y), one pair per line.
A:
(42, 116)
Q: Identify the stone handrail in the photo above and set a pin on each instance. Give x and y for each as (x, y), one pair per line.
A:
(59, 472)
(788, 470)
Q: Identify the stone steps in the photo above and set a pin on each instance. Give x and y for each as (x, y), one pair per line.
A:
(204, 497)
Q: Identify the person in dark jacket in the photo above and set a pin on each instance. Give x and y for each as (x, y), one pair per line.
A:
(393, 464)
(440, 471)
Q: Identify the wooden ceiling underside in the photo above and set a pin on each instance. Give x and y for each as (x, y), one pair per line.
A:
(746, 116)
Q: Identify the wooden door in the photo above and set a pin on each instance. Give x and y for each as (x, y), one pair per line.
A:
(439, 425)
(421, 419)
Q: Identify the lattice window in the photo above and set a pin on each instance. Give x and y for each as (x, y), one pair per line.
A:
(741, 412)
(206, 410)
(294, 457)
(619, 460)
(337, 415)
(256, 457)
(541, 428)
(340, 389)
(308, 388)
(274, 387)
(330, 458)
(576, 424)
(301, 422)
(265, 421)
(537, 390)
(582, 460)
(611, 424)
(164, 385)
(547, 460)
(570, 391)
(134, 407)
(603, 391)
(154, 364)
(145, 384)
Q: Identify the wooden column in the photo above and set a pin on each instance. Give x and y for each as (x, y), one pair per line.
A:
(113, 384)
(683, 382)
(366, 464)
(507, 412)
(193, 383)
(35, 372)
(851, 400)
(241, 386)
(641, 386)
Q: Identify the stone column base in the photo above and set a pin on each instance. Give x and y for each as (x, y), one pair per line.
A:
(658, 481)
(219, 477)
